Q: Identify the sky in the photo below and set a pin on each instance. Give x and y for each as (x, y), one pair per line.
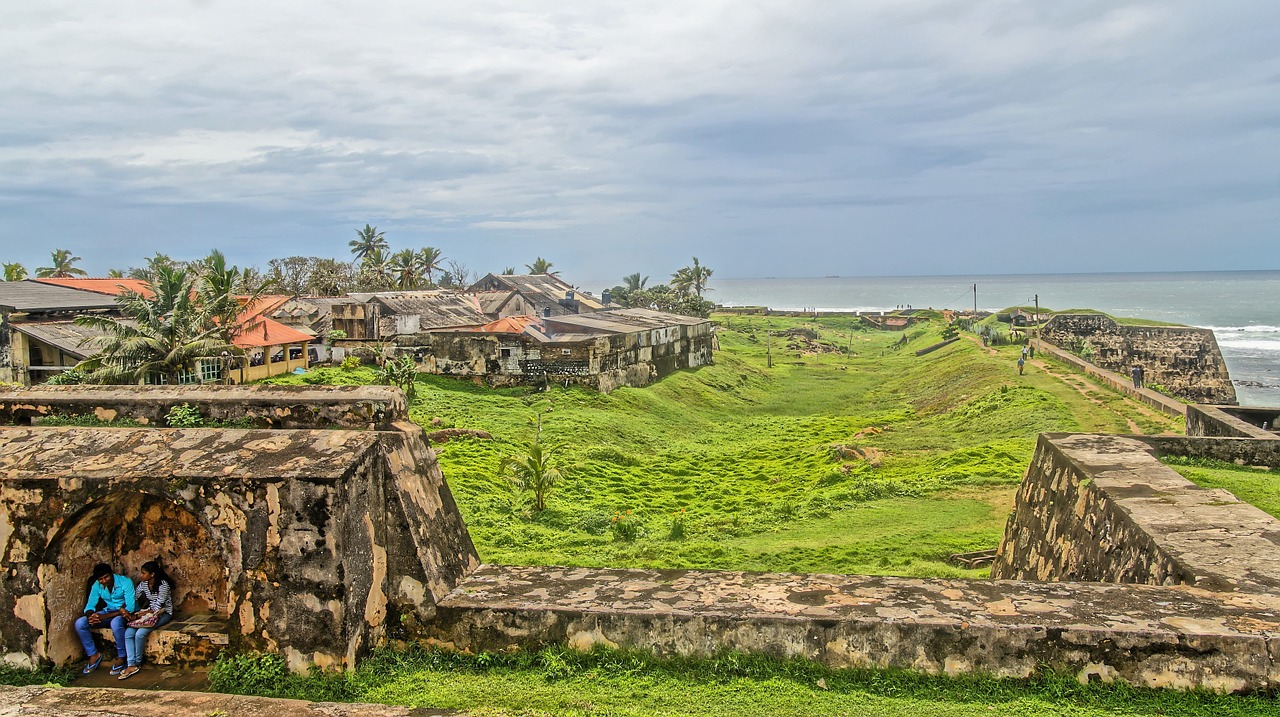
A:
(768, 138)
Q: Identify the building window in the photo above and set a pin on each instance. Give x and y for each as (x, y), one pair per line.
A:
(566, 352)
(210, 371)
(505, 353)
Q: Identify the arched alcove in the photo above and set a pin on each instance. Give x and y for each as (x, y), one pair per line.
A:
(125, 530)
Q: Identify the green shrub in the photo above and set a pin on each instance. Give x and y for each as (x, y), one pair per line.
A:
(351, 362)
(624, 527)
(69, 377)
(184, 415)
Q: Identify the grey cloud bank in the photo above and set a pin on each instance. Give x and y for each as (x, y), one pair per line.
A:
(788, 139)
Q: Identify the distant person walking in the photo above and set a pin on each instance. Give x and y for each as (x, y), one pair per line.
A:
(1021, 361)
(1031, 351)
(1136, 372)
(1142, 377)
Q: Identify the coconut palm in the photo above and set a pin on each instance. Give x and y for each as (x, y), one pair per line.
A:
(691, 279)
(14, 272)
(148, 272)
(509, 271)
(541, 266)
(404, 266)
(220, 290)
(64, 266)
(428, 261)
(369, 240)
(532, 471)
(633, 282)
(159, 335)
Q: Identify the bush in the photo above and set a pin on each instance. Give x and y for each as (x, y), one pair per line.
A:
(351, 362)
(184, 416)
(250, 673)
(69, 377)
(624, 527)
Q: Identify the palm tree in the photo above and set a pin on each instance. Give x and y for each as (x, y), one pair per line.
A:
(370, 240)
(404, 267)
(691, 279)
(148, 272)
(160, 335)
(428, 262)
(541, 266)
(531, 471)
(633, 282)
(115, 273)
(63, 266)
(508, 271)
(220, 290)
(14, 272)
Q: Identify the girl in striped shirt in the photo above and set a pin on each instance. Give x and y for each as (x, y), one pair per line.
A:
(155, 591)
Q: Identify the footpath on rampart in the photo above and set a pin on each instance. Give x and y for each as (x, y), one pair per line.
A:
(1123, 384)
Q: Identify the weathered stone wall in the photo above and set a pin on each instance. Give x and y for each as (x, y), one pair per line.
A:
(1103, 508)
(355, 407)
(1185, 360)
(1179, 637)
(604, 363)
(1232, 421)
(316, 544)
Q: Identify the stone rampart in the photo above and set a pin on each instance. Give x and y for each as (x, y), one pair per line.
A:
(1232, 421)
(1103, 508)
(1183, 359)
(1178, 637)
(317, 544)
(353, 407)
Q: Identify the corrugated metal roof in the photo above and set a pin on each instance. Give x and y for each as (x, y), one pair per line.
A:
(32, 295)
(541, 289)
(66, 336)
(437, 309)
(491, 302)
(620, 321)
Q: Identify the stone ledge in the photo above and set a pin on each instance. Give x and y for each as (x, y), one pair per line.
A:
(48, 454)
(1155, 636)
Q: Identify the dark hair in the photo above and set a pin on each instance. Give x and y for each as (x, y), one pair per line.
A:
(158, 575)
(101, 570)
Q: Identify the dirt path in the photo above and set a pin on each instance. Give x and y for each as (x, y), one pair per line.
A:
(1082, 386)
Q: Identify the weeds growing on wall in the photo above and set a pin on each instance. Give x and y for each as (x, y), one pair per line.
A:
(562, 682)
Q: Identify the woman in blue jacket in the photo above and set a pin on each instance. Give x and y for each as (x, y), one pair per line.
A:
(116, 591)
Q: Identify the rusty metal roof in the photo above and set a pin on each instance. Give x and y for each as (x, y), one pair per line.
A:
(436, 309)
(34, 295)
(65, 336)
(541, 290)
(622, 321)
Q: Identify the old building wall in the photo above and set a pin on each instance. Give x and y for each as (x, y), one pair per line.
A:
(1185, 360)
(316, 544)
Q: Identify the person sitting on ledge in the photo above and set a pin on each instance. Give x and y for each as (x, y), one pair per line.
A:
(117, 592)
(155, 592)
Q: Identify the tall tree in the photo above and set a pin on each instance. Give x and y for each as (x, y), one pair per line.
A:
(149, 272)
(404, 265)
(428, 259)
(541, 266)
(375, 272)
(291, 274)
(330, 277)
(633, 282)
(509, 271)
(368, 240)
(691, 279)
(160, 335)
(63, 266)
(14, 272)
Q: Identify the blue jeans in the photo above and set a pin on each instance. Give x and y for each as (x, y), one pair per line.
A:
(85, 631)
(136, 638)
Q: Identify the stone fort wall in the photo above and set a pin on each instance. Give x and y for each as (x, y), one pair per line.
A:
(1183, 359)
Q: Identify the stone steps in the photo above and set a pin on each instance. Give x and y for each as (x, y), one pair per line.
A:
(188, 641)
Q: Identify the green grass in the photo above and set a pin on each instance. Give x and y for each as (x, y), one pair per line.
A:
(1258, 486)
(880, 463)
(555, 681)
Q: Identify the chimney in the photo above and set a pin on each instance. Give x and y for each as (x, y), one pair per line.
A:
(606, 297)
(547, 312)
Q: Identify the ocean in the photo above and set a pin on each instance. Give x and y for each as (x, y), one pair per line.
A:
(1242, 307)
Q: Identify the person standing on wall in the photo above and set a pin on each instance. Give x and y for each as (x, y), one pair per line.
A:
(1136, 373)
(116, 591)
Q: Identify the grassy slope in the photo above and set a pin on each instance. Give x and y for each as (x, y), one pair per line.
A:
(746, 452)
(1260, 487)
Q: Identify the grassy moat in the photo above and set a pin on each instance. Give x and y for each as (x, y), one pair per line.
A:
(877, 463)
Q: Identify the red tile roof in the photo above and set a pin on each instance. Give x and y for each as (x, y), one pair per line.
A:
(113, 287)
(508, 325)
(262, 331)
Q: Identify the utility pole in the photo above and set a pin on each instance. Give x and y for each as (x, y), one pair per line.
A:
(1037, 319)
(768, 345)
(975, 299)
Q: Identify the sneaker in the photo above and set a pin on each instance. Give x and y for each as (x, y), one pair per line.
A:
(93, 665)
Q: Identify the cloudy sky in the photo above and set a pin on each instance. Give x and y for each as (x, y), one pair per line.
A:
(770, 138)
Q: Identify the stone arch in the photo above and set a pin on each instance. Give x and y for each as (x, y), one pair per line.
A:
(125, 529)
